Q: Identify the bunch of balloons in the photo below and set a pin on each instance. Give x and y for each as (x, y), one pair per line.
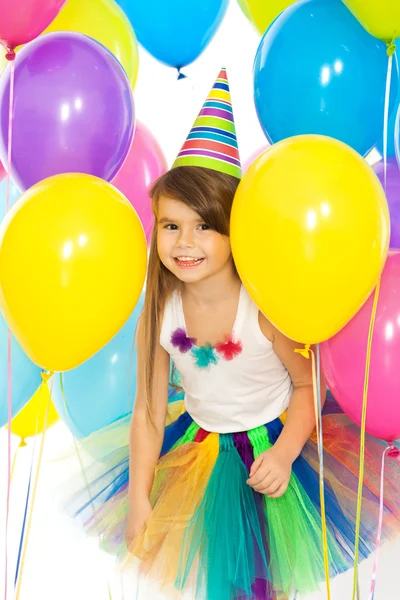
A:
(321, 220)
(72, 249)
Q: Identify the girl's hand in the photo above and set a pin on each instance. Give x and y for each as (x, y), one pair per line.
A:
(270, 473)
(138, 517)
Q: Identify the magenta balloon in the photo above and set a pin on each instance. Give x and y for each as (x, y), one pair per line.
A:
(73, 110)
(392, 195)
(23, 20)
(144, 164)
(343, 359)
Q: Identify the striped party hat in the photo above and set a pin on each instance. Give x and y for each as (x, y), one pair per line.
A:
(212, 140)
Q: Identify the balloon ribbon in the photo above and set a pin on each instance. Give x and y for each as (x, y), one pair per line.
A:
(362, 440)
(10, 56)
(21, 558)
(316, 378)
(28, 493)
(83, 472)
(391, 49)
(392, 452)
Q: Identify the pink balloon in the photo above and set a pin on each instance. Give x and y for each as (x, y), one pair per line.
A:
(249, 161)
(144, 164)
(2, 171)
(344, 356)
(23, 20)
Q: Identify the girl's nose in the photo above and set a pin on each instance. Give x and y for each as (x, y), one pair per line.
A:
(185, 239)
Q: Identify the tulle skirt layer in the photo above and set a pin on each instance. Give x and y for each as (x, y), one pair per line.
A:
(210, 533)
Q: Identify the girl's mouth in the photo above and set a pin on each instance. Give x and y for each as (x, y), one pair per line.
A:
(187, 262)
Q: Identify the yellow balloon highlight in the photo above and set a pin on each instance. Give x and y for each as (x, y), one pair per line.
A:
(72, 266)
(107, 23)
(262, 12)
(380, 18)
(31, 419)
(310, 233)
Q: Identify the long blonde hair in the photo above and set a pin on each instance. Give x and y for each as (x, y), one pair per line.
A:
(210, 194)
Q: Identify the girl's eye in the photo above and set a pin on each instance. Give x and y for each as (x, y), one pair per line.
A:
(204, 227)
(171, 227)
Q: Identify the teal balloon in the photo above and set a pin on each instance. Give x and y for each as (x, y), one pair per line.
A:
(14, 195)
(175, 32)
(25, 375)
(103, 388)
(317, 70)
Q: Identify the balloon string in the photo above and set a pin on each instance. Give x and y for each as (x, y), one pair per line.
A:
(35, 486)
(393, 453)
(316, 381)
(14, 462)
(39, 398)
(386, 111)
(87, 485)
(9, 357)
(362, 441)
(316, 373)
(67, 412)
(83, 472)
(10, 130)
(21, 540)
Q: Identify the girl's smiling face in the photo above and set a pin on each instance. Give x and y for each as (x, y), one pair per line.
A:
(187, 246)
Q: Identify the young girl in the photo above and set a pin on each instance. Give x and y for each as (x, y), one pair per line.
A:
(224, 501)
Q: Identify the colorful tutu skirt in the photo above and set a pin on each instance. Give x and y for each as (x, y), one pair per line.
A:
(213, 535)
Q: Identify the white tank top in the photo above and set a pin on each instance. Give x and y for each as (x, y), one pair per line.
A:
(233, 386)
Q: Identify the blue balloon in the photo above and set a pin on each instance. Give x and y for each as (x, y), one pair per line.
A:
(14, 195)
(318, 71)
(25, 375)
(103, 388)
(175, 31)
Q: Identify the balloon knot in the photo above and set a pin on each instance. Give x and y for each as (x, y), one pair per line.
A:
(304, 351)
(46, 376)
(10, 55)
(181, 75)
(393, 452)
(22, 443)
(391, 48)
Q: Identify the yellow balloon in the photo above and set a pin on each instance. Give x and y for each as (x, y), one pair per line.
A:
(107, 23)
(72, 265)
(31, 419)
(262, 12)
(381, 18)
(310, 233)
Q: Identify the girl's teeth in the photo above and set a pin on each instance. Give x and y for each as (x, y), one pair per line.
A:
(189, 261)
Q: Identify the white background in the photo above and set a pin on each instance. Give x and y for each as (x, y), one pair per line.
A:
(60, 563)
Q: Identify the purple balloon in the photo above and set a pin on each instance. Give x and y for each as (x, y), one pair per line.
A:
(73, 110)
(392, 195)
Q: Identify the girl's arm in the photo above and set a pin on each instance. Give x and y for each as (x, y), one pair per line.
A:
(146, 439)
(300, 418)
(270, 472)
